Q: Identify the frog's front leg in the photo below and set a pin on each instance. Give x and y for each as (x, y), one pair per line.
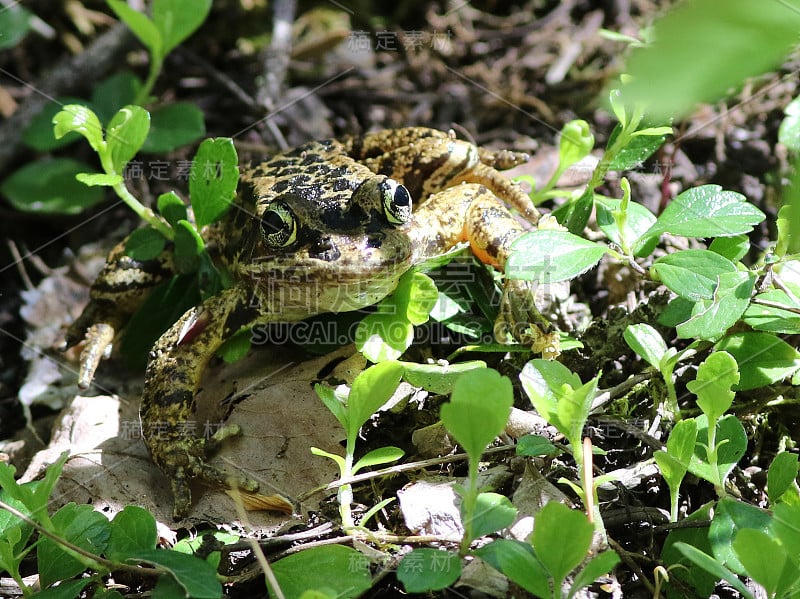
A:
(175, 366)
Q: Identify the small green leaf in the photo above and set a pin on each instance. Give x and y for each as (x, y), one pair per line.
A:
(49, 186)
(416, 295)
(596, 567)
(712, 317)
(674, 463)
(712, 386)
(423, 570)
(369, 391)
(518, 562)
(382, 337)
(535, 445)
(561, 539)
(171, 207)
(733, 248)
(133, 529)
(639, 220)
(636, 151)
(438, 378)
(550, 256)
(39, 134)
(141, 26)
(197, 577)
(341, 570)
(144, 244)
(781, 475)
(80, 119)
(692, 274)
(178, 19)
(79, 525)
(709, 564)
(236, 347)
(382, 455)
(646, 342)
(173, 126)
(336, 404)
(763, 358)
(707, 211)
(732, 443)
(547, 384)
(68, 589)
(188, 247)
(99, 179)
(478, 409)
(126, 133)
(493, 512)
(730, 518)
(774, 318)
(575, 143)
(213, 179)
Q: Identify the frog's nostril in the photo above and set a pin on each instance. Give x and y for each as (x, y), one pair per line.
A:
(324, 249)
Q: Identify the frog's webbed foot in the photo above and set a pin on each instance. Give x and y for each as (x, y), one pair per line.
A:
(520, 318)
(184, 458)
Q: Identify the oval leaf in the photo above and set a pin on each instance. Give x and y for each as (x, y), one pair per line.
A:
(550, 256)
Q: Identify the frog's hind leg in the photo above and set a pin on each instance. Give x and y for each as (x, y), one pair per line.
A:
(168, 403)
(119, 290)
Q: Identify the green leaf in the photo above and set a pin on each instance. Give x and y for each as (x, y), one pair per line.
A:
(438, 378)
(781, 475)
(79, 525)
(550, 256)
(712, 317)
(15, 22)
(369, 391)
(178, 19)
(784, 527)
(341, 570)
(144, 244)
(382, 455)
(575, 143)
(39, 134)
(382, 337)
(172, 208)
(636, 151)
(692, 274)
(132, 530)
(188, 247)
(639, 220)
(49, 187)
(336, 404)
(712, 386)
(79, 119)
(519, 563)
(174, 125)
(478, 409)
(426, 569)
(561, 539)
(111, 94)
(680, 569)
(493, 512)
(213, 179)
(126, 134)
(646, 342)
(730, 518)
(548, 383)
(415, 296)
(704, 48)
(763, 558)
(773, 318)
(236, 347)
(142, 27)
(709, 564)
(732, 442)
(596, 567)
(763, 358)
(99, 179)
(536, 445)
(733, 248)
(674, 462)
(789, 131)
(707, 211)
(197, 577)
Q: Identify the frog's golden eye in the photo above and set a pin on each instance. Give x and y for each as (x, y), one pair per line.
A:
(396, 201)
(279, 226)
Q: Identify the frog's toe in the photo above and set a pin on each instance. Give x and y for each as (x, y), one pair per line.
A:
(520, 320)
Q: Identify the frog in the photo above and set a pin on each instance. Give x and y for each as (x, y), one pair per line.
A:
(327, 227)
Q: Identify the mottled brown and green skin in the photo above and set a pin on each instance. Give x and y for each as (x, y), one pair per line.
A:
(346, 254)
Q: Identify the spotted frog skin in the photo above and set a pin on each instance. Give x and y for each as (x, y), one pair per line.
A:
(326, 227)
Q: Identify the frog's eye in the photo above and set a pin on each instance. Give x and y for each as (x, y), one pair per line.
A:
(279, 226)
(396, 201)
